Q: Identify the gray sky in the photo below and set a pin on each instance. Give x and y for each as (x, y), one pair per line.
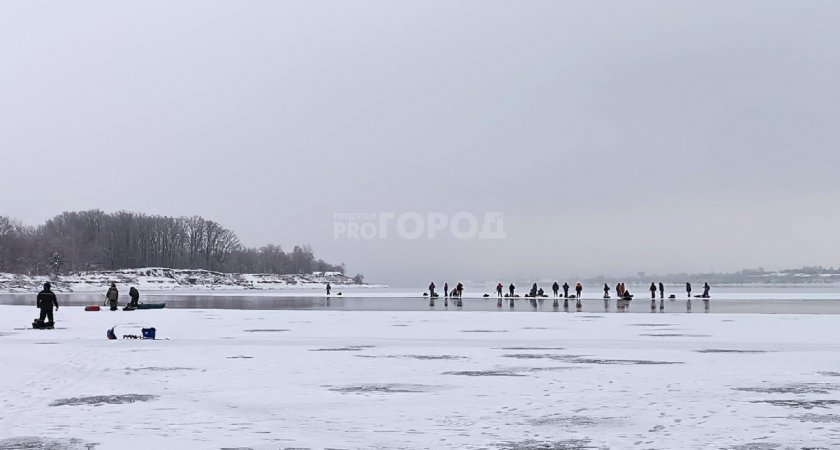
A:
(615, 137)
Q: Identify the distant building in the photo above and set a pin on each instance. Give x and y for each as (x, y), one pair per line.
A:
(318, 274)
(332, 274)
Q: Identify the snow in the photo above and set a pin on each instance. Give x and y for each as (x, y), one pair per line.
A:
(165, 279)
(432, 379)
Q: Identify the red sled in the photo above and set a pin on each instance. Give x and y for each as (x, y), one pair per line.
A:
(92, 308)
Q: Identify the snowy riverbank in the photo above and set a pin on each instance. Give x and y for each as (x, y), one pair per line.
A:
(164, 279)
(278, 379)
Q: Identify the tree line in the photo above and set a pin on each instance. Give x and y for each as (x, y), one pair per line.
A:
(95, 240)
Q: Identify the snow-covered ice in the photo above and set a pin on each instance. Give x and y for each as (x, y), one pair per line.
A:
(419, 379)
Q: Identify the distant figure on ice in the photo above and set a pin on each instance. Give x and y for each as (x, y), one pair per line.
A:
(556, 288)
(578, 289)
(112, 296)
(499, 288)
(432, 289)
(606, 290)
(661, 290)
(706, 289)
(512, 288)
(460, 290)
(445, 290)
(565, 290)
(533, 292)
(134, 294)
(328, 290)
(540, 293)
(618, 293)
(45, 301)
(652, 291)
(688, 289)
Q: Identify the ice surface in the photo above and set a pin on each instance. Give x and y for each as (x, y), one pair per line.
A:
(350, 379)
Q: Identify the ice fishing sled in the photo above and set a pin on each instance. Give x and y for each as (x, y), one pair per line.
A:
(39, 324)
(145, 306)
(92, 308)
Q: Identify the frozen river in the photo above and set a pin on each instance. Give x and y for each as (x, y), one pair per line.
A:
(223, 379)
(795, 300)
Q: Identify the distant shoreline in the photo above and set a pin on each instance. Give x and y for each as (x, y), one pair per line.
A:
(170, 280)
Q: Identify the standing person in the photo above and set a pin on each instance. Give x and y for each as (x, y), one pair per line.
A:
(556, 288)
(578, 289)
(134, 294)
(706, 289)
(460, 289)
(445, 290)
(652, 291)
(661, 290)
(432, 289)
(45, 301)
(512, 288)
(112, 296)
(328, 290)
(533, 295)
(499, 288)
(607, 290)
(618, 293)
(623, 290)
(688, 289)
(565, 290)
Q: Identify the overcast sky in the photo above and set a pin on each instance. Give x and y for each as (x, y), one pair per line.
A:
(615, 137)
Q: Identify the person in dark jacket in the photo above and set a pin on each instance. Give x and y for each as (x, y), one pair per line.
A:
(556, 288)
(661, 290)
(578, 289)
(688, 289)
(606, 290)
(112, 296)
(445, 289)
(329, 288)
(432, 289)
(652, 291)
(706, 289)
(512, 289)
(135, 296)
(565, 290)
(499, 289)
(45, 301)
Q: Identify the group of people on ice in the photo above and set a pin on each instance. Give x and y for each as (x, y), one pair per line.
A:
(456, 294)
(621, 292)
(113, 295)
